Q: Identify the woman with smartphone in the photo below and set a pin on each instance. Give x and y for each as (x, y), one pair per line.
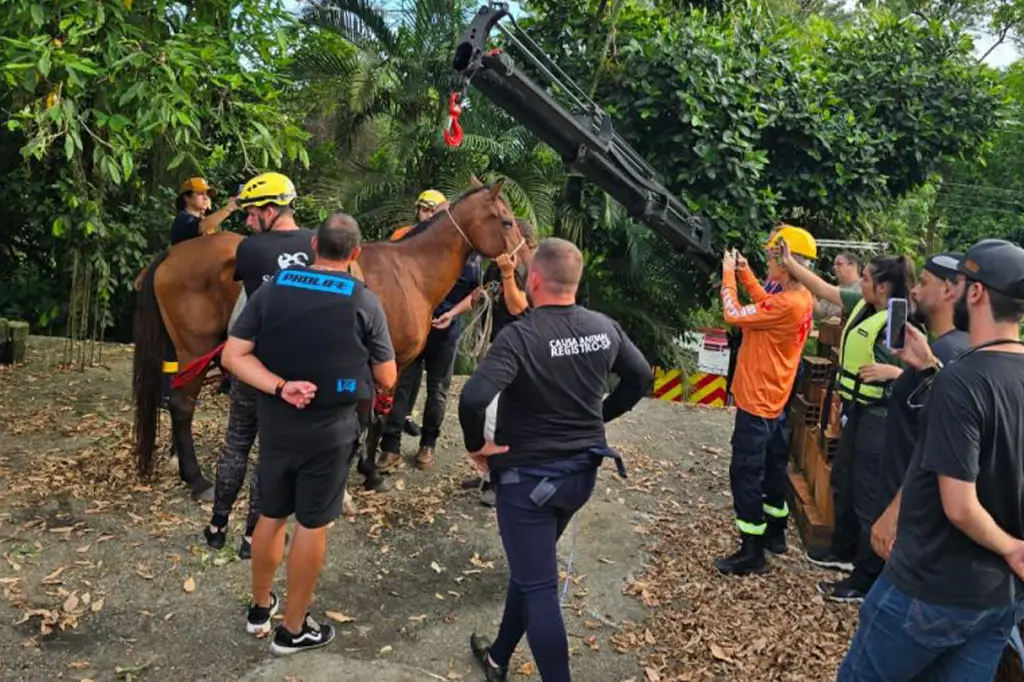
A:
(866, 368)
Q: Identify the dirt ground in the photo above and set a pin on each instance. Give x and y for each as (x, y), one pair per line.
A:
(104, 578)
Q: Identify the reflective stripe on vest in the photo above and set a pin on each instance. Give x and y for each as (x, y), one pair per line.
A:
(857, 350)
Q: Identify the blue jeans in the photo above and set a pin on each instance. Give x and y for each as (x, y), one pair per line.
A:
(530, 534)
(901, 639)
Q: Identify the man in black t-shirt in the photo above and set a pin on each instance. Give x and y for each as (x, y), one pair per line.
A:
(308, 342)
(935, 296)
(944, 607)
(549, 372)
(276, 243)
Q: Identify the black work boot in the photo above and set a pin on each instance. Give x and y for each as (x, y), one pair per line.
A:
(775, 536)
(748, 559)
(481, 648)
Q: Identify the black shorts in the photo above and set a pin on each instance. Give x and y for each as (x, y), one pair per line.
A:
(310, 485)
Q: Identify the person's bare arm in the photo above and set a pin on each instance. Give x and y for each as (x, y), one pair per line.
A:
(238, 358)
(212, 222)
(963, 509)
(385, 374)
(816, 285)
(883, 531)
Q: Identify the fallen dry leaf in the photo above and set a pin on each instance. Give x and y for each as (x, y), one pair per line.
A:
(526, 669)
(190, 585)
(71, 603)
(339, 617)
(97, 605)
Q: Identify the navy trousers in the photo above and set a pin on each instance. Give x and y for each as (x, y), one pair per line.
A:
(529, 533)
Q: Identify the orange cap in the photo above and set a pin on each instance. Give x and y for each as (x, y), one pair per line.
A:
(197, 185)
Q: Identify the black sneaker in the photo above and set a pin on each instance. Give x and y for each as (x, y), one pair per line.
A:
(824, 558)
(313, 636)
(215, 538)
(245, 549)
(841, 591)
(258, 622)
(481, 648)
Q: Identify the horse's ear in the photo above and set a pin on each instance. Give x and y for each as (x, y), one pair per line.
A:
(496, 188)
(475, 182)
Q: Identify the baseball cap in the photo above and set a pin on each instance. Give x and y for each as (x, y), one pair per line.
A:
(944, 265)
(197, 185)
(997, 265)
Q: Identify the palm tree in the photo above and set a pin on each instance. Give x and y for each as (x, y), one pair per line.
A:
(389, 73)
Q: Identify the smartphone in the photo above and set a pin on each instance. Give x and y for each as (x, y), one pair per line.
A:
(896, 324)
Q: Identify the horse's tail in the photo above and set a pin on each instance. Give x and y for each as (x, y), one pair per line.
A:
(150, 338)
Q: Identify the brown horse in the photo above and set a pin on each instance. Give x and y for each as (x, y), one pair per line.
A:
(187, 293)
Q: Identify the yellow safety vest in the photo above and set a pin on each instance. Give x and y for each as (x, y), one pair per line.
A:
(857, 350)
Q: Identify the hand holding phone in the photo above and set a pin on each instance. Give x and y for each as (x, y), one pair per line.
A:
(896, 324)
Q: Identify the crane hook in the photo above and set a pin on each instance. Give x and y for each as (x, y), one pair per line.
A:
(453, 131)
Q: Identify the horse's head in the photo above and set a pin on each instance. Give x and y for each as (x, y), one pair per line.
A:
(488, 224)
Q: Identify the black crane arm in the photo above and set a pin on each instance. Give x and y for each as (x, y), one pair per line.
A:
(585, 138)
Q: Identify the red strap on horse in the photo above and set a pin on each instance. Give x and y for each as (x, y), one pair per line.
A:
(383, 403)
(453, 131)
(194, 368)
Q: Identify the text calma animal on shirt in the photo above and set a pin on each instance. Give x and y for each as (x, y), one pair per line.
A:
(576, 345)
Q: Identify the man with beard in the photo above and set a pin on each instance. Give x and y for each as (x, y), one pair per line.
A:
(935, 296)
(949, 596)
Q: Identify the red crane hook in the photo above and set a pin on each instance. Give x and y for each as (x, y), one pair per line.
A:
(453, 131)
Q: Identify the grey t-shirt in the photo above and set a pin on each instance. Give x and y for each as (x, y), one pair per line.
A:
(281, 426)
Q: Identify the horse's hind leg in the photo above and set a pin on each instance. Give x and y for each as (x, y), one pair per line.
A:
(182, 408)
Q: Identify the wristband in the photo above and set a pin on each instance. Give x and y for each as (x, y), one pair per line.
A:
(280, 387)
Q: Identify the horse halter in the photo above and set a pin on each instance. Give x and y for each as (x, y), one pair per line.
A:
(472, 247)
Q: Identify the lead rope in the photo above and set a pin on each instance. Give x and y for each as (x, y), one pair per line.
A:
(481, 323)
(572, 557)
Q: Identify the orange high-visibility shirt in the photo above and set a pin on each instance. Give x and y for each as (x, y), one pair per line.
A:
(399, 233)
(775, 328)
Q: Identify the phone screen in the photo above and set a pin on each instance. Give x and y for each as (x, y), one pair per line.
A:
(896, 324)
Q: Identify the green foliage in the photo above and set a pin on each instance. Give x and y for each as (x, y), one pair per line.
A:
(104, 103)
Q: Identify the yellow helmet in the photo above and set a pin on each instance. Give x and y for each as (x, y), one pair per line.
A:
(430, 198)
(799, 240)
(268, 188)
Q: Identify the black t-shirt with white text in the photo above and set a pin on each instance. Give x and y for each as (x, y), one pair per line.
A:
(973, 430)
(285, 428)
(901, 422)
(551, 370)
(260, 256)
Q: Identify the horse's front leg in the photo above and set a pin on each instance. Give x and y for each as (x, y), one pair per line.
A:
(182, 407)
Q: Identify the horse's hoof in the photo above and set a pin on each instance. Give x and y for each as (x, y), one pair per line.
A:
(204, 494)
(377, 484)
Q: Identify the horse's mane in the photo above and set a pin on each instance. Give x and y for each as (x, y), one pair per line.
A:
(424, 225)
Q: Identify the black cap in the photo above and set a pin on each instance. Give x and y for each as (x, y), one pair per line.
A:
(944, 265)
(998, 265)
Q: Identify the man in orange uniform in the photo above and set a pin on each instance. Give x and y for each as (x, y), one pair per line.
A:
(775, 328)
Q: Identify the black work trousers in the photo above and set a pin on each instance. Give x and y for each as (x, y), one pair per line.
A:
(438, 361)
(854, 481)
(757, 471)
(234, 458)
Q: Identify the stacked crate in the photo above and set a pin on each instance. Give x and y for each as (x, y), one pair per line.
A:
(811, 452)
